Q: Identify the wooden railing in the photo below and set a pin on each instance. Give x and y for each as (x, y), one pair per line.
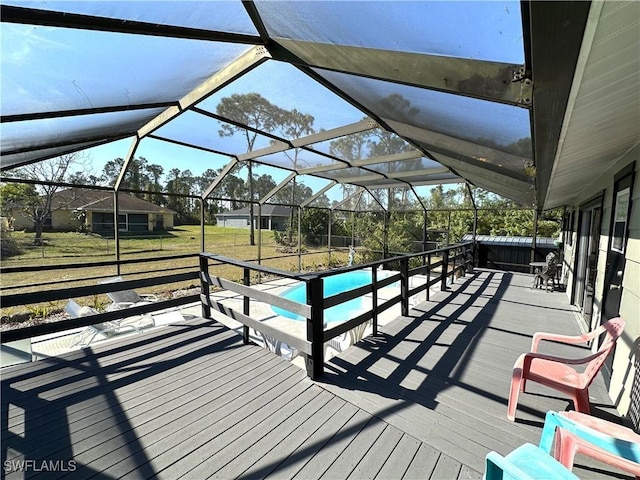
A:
(158, 277)
(450, 261)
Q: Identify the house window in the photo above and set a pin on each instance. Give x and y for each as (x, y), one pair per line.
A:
(102, 222)
(620, 220)
(122, 222)
(138, 222)
(264, 223)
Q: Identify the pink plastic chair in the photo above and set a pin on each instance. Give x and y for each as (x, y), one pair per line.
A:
(557, 372)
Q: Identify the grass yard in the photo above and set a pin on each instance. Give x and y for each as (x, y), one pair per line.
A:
(66, 248)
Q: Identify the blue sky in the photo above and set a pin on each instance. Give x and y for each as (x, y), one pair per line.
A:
(49, 69)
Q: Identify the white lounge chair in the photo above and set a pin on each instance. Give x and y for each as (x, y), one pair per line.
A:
(127, 298)
(104, 329)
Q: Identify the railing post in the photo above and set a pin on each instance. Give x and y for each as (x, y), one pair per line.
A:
(315, 328)
(445, 270)
(204, 287)
(374, 299)
(245, 306)
(404, 286)
(453, 267)
(428, 274)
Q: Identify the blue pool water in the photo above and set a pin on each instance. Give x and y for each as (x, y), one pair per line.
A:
(332, 286)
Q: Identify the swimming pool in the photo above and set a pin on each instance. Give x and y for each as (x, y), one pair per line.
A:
(332, 286)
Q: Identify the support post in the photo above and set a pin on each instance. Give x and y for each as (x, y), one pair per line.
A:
(205, 291)
(534, 241)
(374, 299)
(404, 286)
(329, 240)
(424, 231)
(116, 230)
(353, 228)
(299, 239)
(315, 328)
(259, 233)
(428, 274)
(252, 240)
(245, 305)
(202, 236)
(445, 270)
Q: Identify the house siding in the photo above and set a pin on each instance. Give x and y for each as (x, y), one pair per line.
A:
(621, 382)
(242, 221)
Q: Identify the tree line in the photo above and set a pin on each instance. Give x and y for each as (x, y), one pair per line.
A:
(178, 189)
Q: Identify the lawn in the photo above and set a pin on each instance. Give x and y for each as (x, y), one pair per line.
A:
(67, 248)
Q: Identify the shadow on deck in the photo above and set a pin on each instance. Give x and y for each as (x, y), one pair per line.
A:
(442, 374)
(424, 399)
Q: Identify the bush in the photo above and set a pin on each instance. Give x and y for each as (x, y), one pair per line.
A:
(8, 245)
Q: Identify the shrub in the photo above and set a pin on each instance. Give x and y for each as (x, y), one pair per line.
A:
(8, 245)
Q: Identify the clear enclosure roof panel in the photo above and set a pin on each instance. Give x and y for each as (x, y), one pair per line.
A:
(492, 124)
(227, 16)
(285, 87)
(299, 159)
(364, 93)
(204, 132)
(47, 69)
(51, 132)
(488, 30)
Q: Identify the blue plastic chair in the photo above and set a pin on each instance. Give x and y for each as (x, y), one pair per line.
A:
(614, 444)
(527, 462)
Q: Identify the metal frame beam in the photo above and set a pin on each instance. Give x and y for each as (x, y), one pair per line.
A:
(246, 62)
(494, 81)
(276, 189)
(465, 151)
(228, 167)
(350, 129)
(36, 16)
(319, 193)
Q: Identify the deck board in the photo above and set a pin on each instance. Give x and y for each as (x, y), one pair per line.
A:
(442, 373)
(425, 399)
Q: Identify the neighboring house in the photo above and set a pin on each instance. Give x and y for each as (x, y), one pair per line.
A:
(74, 207)
(272, 217)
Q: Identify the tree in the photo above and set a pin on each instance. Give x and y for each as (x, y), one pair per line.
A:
(83, 178)
(155, 173)
(48, 174)
(254, 111)
(295, 124)
(13, 197)
(202, 182)
(138, 176)
(349, 148)
(314, 223)
(180, 185)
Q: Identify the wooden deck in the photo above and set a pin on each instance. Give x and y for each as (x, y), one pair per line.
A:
(424, 399)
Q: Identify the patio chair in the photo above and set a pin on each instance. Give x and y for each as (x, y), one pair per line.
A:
(526, 462)
(127, 298)
(548, 273)
(105, 329)
(558, 372)
(607, 442)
